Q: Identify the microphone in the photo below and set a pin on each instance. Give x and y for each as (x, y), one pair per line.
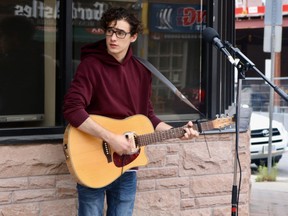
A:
(211, 36)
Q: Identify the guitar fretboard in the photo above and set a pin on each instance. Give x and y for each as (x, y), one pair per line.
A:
(160, 136)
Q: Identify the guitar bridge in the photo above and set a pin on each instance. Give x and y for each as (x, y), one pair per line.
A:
(107, 152)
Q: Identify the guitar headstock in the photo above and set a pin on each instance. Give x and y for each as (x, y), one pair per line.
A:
(223, 122)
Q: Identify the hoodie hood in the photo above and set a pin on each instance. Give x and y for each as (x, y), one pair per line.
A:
(99, 50)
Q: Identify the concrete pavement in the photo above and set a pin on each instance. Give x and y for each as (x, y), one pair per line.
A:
(269, 198)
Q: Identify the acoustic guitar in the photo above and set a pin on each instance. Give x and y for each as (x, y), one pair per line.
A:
(94, 164)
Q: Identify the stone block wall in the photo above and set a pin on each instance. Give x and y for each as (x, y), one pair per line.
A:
(183, 178)
(34, 181)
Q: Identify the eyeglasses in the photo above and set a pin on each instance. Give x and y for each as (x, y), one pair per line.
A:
(119, 33)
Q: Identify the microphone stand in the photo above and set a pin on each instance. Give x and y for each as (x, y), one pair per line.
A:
(242, 68)
(243, 65)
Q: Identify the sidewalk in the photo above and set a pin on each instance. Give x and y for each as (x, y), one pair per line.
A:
(269, 198)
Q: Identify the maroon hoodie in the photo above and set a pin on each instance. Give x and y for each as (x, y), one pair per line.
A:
(104, 86)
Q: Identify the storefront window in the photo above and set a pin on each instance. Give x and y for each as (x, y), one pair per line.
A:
(175, 49)
(28, 64)
(171, 42)
(31, 81)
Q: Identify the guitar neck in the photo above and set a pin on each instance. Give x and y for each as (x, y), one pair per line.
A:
(173, 133)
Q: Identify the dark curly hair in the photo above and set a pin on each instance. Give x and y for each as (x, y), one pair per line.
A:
(114, 14)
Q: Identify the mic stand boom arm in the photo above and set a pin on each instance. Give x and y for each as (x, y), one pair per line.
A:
(246, 64)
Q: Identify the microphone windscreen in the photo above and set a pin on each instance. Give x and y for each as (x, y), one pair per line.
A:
(209, 34)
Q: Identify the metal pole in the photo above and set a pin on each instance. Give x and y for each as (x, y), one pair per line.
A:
(271, 101)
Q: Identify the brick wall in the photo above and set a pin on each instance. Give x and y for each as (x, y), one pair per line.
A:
(183, 178)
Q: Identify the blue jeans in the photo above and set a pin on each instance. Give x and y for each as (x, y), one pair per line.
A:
(120, 196)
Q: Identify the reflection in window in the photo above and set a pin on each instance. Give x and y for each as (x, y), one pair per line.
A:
(27, 63)
(21, 65)
(175, 49)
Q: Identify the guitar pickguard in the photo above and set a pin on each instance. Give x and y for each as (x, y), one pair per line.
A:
(123, 160)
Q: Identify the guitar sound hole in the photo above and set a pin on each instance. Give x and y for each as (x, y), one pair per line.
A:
(121, 161)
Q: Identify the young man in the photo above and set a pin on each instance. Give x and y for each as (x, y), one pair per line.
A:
(111, 82)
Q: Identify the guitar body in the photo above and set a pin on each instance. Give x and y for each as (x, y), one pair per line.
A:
(85, 155)
(94, 164)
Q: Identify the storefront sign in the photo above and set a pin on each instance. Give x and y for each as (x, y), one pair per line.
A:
(82, 14)
(37, 10)
(176, 18)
